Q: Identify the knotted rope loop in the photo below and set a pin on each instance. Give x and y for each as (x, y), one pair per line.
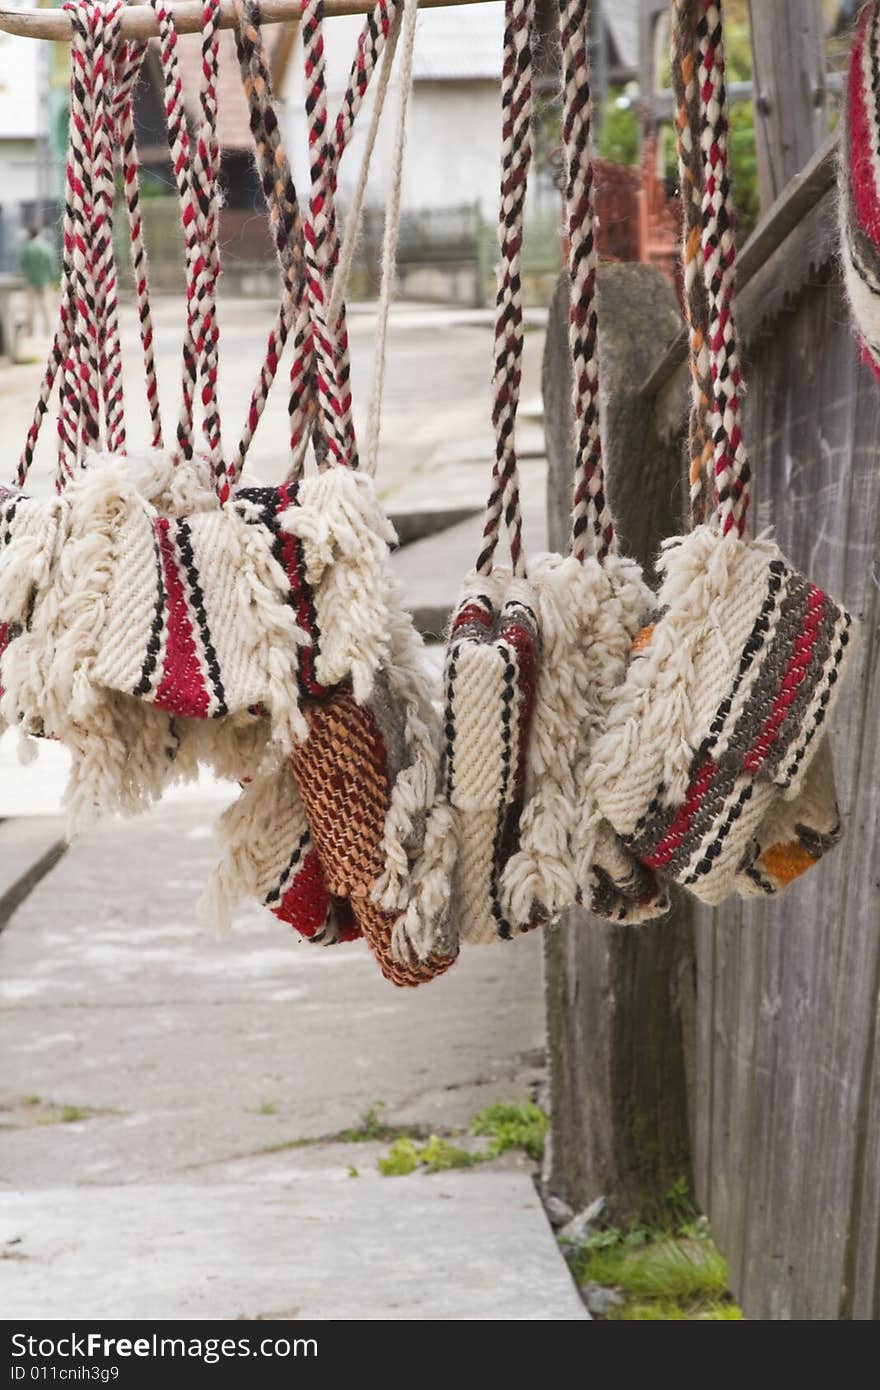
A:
(731, 462)
(516, 153)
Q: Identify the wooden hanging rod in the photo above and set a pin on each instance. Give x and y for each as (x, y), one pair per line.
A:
(139, 21)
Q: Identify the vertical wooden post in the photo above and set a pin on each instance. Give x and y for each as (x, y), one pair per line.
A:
(618, 996)
(788, 73)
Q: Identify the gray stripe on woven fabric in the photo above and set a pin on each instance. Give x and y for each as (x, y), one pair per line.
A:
(791, 729)
(747, 727)
(773, 666)
(844, 626)
(724, 829)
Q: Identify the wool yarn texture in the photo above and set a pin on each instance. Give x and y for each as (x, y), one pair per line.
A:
(161, 613)
(712, 769)
(534, 654)
(363, 770)
(859, 186)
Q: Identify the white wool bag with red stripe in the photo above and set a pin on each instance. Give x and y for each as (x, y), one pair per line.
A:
(158, 615)
(286, 841)
(532, 652)
(589, 606)
(713, 769)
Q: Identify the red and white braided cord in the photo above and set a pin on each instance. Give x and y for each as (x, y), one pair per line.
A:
(732, 467)
(516, 152)
(80, 406)
(129, 64)
(103, 257)
(200, 272)
(590, 507)
(330, 424)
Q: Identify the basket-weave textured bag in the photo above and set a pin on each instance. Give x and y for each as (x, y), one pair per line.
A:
(725, 701)
(365, 773)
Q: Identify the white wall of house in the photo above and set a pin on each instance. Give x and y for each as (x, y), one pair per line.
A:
(453, 128)
(23, 84)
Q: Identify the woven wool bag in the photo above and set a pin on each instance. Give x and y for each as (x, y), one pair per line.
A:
(859, 184)
(364, 775)
(161, 616)
(716, 731)
(795, 833)
(532, 656)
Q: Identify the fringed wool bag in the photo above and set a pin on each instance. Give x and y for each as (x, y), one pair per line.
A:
(359, 784)
(795, 833)
(533, 656)
(712, 752)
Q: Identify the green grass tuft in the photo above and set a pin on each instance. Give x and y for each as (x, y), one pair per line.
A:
(435, 1156)
(665, 1268)
(518, 1125)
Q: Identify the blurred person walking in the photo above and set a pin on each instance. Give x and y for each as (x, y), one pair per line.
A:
(39, 272)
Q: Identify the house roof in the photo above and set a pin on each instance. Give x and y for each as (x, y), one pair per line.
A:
(622, 19)
(454, 45)
(233, 126)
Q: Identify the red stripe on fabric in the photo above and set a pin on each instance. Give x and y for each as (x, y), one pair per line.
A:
(686, 812)
(182, 689)
(472, 613)
(794, 674)
(4, 643)
(862, 140)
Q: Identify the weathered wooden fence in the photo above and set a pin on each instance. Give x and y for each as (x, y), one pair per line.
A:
(780, 1041)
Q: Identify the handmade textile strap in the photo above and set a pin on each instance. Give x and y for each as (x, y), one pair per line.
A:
(195, 178)
(590, 498)
(731, 463)
(516, 154)
(94, 33)
(129, 58)
(378, 36)
(128, 63)
(683, 63)
(333, 408)
(380, 30)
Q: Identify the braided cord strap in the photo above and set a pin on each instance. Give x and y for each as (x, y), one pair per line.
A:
(293, 315)
(79, 419)
(106, 27)
(276, 181)
(129, 65)
(732, 467)
(205, 172)
(685, 17)
(329, 425)
(200, 273)
(127, 59)
(516, 153)
(590, 505)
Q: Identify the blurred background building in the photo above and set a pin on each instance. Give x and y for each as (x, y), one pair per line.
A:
(448, 233)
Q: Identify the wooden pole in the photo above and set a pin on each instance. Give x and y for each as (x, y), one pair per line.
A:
(619, 998)
(139, 21)
(788, 69)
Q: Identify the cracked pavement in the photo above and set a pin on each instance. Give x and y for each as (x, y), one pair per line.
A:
(154, 1076)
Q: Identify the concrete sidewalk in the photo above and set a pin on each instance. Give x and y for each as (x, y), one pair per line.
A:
(161, 1086)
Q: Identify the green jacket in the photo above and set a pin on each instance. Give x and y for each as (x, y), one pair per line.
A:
(37, 263)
